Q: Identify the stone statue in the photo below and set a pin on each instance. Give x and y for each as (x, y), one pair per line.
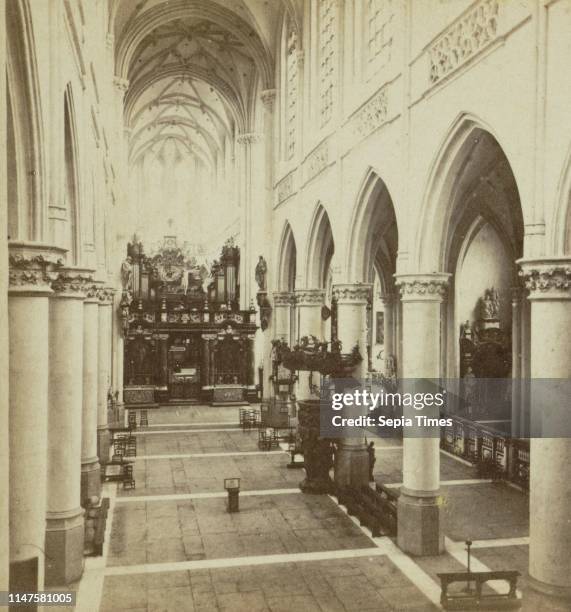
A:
(490, 305)
(261, 273)
(127, 274)
(466, 330)
(372, 459)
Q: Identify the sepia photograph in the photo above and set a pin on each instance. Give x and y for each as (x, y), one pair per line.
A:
(285, 305)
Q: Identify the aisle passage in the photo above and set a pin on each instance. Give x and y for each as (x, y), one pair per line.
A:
(173, 546)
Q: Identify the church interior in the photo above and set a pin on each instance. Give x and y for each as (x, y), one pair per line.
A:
(213, 209)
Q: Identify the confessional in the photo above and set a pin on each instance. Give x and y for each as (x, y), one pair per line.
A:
(186, 339)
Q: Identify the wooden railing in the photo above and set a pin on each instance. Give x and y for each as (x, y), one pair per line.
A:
(495, 454)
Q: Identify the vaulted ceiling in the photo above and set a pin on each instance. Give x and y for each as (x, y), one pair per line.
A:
(195, 70)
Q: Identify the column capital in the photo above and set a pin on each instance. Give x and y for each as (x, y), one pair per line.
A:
(309, 297)
(283, 298)
(268, 97)
(352, 293)
(72, 282)
(105, 295)
(31, 265)
(431, 287)
(547, 278)
(249, 138)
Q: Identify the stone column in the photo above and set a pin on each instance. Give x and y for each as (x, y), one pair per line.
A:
(4, 342)
(420, 502)
(309, 303)
(104, 374)
(389, 330)
(283, 302)
(28, 318)
(252, 198)
(64, 517)
(352, 461)
(549, 284)
(90, 472)
(250, 368)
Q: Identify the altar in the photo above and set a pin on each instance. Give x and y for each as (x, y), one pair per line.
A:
(186, 339)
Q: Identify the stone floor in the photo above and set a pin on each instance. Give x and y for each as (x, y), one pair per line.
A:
(171, 545)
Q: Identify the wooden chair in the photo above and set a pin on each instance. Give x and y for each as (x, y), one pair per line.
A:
(131, 448)
(128, 479)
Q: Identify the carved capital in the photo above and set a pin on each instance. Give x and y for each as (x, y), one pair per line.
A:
(547, 279)
(268, 97)
(72, 282)
(283, 298)
(310, 297)
(249, 138)
(105, 295)
(359, 293)
(423, 287)
(30, 267)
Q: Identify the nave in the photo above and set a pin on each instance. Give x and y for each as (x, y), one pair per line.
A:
(172, 545)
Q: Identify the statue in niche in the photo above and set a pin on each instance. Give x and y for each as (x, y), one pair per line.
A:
(127, 274)
(490, 305)
(261, 273)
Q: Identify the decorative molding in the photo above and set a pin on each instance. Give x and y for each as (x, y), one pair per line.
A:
(283, 298)
(72, 282)
(370, 116)
(122, 85)
(428, 287)
(309, 297)
(354, 293)
(317, 160)
(285, 188)
(30, 265)
(268, 97)
(463, 39)
(547, 279)
(249, 138)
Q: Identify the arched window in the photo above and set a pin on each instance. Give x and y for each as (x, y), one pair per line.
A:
(327, 49)
(291, 87)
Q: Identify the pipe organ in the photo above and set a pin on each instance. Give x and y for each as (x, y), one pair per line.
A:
(186, 339)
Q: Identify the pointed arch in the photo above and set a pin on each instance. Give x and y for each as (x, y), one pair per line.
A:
(320, 249)
(286, 260)
(373, 226)
(27, 187)
(452, 170)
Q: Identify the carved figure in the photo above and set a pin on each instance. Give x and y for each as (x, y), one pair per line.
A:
(490, 304)
(261, 273)
(127, 274)
(372, 459)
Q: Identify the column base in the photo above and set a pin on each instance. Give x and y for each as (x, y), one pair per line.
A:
(351, 466)
(90, 479)
(103, 444)
(64, 547)
(419, 521)
(562, 594)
